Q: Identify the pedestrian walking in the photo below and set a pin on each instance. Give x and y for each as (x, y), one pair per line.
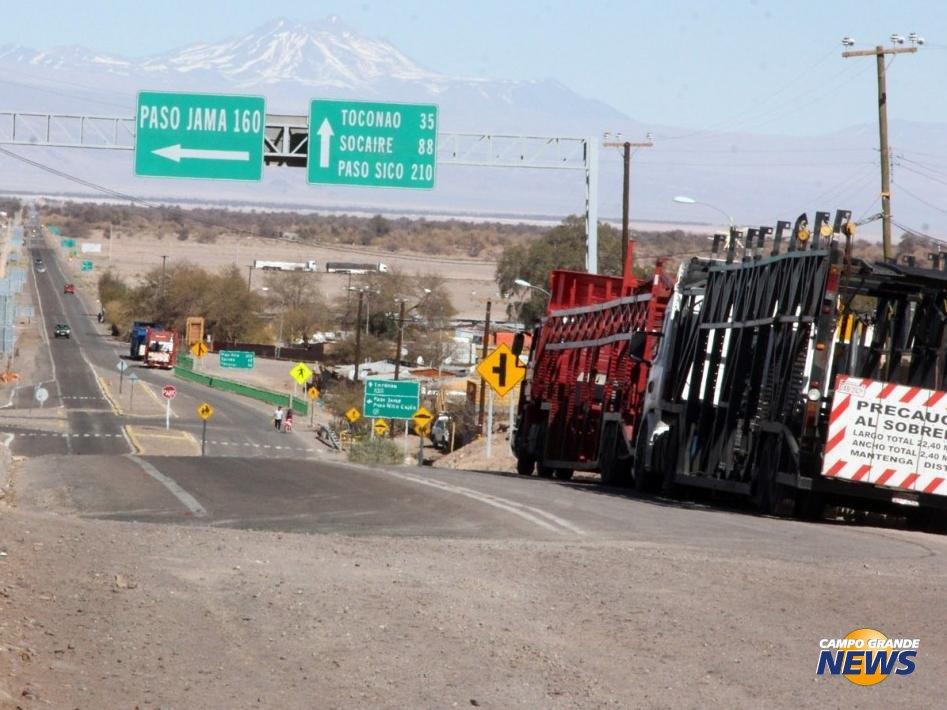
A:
(278, 418)
(288, 420)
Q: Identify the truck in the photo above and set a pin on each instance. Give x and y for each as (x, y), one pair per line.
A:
(309, 266)
(161, 348)
(582, 402)
(785, 371)
(136, 338)
(346, 267)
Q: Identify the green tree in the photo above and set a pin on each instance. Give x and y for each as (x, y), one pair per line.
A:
(562, 247)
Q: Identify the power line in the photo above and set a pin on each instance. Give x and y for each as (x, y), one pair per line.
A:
(919, 198)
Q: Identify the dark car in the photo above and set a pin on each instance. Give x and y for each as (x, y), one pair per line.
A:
(62, 330)
(69, 288)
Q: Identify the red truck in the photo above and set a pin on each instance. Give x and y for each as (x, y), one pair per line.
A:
(161, 348)
(581, 405)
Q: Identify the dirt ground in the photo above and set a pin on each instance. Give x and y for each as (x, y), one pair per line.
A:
(470, 281)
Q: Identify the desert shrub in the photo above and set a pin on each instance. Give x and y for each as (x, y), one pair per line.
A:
(376, 451)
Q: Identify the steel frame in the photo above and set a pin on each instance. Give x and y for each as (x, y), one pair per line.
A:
(286, 143)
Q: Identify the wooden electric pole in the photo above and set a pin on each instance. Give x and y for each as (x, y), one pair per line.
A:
(626, 147)
(400, 339)
(358, 332)
(879, 53)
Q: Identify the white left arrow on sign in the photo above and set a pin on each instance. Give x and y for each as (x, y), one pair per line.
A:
(325, 134)
(177, 153)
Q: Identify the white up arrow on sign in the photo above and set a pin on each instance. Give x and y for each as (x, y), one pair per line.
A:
(325, 133)
(176, 153)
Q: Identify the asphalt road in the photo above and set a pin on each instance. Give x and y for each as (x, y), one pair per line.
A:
(70, 371)
(295, 490)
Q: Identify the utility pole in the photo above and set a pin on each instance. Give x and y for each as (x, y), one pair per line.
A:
(250, 277)
(400, 338)
(358, 333)
(626, 147)
(483, 384)
(879, 53)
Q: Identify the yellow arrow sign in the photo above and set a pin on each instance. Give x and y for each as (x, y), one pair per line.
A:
(313, 393)
(205, 411)
(353, 415)
(502, 370)
(381, 427)
(199, 349)
(301, 373)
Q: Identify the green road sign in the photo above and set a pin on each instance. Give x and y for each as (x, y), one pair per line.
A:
(390, 399)
(86, 265)
(67, 243)
(378, 145)
(240, 359)
(54, 230)
(199, 136)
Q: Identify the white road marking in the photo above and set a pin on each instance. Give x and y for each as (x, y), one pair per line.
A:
(533, 515)
(189, 501)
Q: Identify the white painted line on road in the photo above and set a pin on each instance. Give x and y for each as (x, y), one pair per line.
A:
(533, 515)
(189, 501)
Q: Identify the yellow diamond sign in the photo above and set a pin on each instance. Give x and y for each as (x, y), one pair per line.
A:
(301, 373)
(422, 419)
(199, 349)
(313, 393)
(205, 411)
(353, 415)
(502, 370)
(381, 427)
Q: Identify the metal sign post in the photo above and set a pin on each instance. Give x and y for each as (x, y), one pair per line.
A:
(490, 424)
(132, 378)
(122, 366)
(203, 436)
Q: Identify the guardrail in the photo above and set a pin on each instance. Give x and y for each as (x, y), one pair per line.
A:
(298, 405)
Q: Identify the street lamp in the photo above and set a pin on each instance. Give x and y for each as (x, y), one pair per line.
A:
(681, 199)
(523, 283)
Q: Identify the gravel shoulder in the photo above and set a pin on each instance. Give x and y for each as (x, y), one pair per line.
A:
(104, 614)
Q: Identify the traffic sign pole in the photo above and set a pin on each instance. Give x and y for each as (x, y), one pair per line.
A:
(203, 436)
(490, 424)
(167, 414)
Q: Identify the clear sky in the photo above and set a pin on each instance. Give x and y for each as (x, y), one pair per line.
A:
(754, 65)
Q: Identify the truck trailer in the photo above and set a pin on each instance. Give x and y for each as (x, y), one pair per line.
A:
(308, 266)
(581, 405)
(136, 338)
(348, 267)
(781, 368)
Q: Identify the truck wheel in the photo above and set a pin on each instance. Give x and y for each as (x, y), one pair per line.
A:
(614, 470)
(544, 471)
(645, 479)
(525, 466)
(768, 494)
(563, 474)
(666, 465)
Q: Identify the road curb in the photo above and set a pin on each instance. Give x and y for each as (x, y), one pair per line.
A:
(107, 391)
(130, 435)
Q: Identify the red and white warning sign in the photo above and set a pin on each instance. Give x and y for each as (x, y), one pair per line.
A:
(888, 435)
(168, 392)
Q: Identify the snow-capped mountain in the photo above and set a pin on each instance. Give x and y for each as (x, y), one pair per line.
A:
(756, 177)
(326, 54)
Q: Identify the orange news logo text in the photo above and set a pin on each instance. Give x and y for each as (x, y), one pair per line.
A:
(867, 656)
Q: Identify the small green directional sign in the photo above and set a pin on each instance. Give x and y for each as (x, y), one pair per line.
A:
(239, 359)
(372, 144)
(67, 243)
(211, 136)
(391, 399)
(86, 265)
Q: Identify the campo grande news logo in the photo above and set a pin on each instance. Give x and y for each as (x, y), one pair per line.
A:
(867, 656)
